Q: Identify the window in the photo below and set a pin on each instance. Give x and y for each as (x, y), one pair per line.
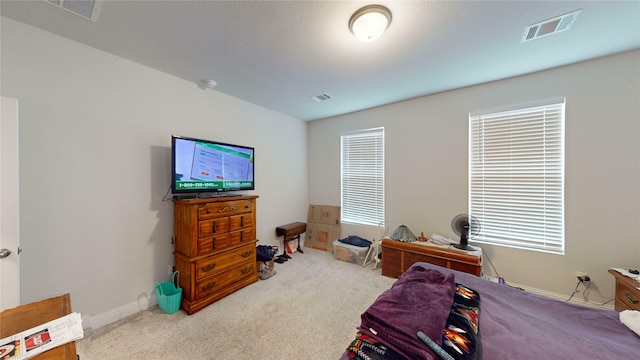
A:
(362, 176)
(516, 176)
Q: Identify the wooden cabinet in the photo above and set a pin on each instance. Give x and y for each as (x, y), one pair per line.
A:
(627, 293)
(24, 317)
(215, 248)
(398, 256)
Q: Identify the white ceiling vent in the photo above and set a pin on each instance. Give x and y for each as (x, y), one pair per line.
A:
(88, 9)
(551, 26)
(322, 97)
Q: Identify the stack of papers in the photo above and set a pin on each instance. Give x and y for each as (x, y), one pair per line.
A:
(29, 343)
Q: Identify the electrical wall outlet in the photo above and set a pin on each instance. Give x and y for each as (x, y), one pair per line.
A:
(579, 274)
(170, 270)
(582, 276)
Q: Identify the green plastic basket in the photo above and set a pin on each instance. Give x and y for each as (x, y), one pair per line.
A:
(170, 294)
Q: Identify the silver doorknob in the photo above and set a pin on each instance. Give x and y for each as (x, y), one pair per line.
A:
(4, 253)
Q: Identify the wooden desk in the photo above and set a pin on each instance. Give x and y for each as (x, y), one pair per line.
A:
(398, 256)
(627, 294)
(13, 321)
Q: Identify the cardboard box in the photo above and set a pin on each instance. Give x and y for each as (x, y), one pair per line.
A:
(324, 214)
(323, 227)
(321, 237)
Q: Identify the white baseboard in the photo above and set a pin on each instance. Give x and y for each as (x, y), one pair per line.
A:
(576, 299)
(94, 322)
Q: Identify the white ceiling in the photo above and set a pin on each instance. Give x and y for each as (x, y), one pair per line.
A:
(278, 54)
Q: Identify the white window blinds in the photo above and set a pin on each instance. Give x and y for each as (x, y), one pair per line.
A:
(516, 177)
(362, 174)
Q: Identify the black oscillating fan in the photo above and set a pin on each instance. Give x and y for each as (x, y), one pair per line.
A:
(466, 226)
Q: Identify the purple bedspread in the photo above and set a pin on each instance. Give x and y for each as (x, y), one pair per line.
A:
(515, 324)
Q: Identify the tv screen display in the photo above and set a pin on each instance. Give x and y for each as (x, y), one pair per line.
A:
(200, 166)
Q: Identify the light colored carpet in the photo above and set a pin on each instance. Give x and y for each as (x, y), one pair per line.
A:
(309, 310)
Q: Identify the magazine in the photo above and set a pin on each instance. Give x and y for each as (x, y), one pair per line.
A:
(29, 343)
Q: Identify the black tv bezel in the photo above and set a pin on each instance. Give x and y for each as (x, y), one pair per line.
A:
(178, 192)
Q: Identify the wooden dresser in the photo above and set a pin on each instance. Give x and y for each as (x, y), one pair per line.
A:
(398, 256)
(215, 248)
(627, 293)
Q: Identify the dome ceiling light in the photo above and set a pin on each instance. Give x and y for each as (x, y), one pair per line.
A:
(370, 22)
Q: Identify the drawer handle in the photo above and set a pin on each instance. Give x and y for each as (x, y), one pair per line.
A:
(246, 270)
(208, 267)
(214, 227)
(209, 286)
(246, 254)
(242, 221)
(631, 298)
(228, 208)
(213, 243)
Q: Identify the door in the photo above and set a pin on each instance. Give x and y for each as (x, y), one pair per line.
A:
(9, 229)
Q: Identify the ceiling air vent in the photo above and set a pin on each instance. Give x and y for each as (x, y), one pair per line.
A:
(322, 97)
(551, 26)
(88, 9)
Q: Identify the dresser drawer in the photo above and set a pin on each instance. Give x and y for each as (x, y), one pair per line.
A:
(411, 258)
(221, 280)
(213, 243)
(212, 210)
(240, 237)
(210, 266)
(212, 227)
(240, 222)
(627, 297)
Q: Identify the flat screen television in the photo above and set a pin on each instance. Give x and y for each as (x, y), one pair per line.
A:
(204, 166)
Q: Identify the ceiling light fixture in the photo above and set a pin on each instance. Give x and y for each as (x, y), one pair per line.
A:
(209, 83)
(370, 22)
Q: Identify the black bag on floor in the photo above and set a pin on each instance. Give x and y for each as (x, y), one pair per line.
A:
(264, 253)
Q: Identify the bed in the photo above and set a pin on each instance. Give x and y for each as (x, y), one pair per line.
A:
(509, 323)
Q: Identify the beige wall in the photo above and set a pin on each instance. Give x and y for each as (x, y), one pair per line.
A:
(426, 167)
(95, 165)
(91, 123)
